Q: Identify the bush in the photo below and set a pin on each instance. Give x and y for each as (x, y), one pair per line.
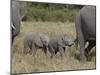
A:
(51, 12)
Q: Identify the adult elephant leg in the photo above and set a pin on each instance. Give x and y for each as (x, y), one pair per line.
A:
(80, 37)
(12, 39)
(89, 47)
(82, 47)
(82, 51)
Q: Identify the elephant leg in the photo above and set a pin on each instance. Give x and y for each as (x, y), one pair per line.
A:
(56, 52)
(52, 52)
(12, 39)
(34, 49)
(12, 36)
(61, 51)
(45, 50)
(89, 47)
(82, 51)
(80, 37)
(26, 48)
(64, 49)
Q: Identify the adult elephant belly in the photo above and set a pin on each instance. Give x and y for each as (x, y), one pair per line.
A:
(89, 32)
(88, 25)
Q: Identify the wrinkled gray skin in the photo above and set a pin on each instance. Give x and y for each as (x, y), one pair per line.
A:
(18, 10)
(86, 30)
(33, 41)
(58, 44)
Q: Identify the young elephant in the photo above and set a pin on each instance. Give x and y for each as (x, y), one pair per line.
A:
(33, 40)
(58, 44)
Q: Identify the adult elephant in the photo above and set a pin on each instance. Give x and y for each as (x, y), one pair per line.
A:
(86, 30)
(18, 10)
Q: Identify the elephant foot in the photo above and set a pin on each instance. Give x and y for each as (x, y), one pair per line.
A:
(77, 55)
(83, 59)
(51, 57)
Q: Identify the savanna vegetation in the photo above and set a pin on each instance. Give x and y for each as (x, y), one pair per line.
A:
(51, 12)
(50, 19)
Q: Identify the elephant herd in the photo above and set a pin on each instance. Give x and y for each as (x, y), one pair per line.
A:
(34, 40)
(85, 24)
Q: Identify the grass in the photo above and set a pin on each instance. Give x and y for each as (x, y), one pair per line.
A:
(40, 63)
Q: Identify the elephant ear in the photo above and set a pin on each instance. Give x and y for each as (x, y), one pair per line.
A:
(61, 43)
(22, 9)
(44, 39)
(39, 42)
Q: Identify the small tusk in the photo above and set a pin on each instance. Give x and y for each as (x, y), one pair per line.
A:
(13, 26)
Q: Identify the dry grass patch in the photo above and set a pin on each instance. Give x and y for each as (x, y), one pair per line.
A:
(40, 63)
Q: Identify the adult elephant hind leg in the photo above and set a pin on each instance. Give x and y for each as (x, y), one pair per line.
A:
(88, 49)
(82, 48)
(82, 53)
(80, 37)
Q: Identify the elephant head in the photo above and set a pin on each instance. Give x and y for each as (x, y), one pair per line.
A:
(65, 41)
(45, 40)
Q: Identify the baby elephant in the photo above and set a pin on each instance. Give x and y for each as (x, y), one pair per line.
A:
(58, 44)
(33, 40)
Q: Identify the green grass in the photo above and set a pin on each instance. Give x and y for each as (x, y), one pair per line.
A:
(40, 63)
